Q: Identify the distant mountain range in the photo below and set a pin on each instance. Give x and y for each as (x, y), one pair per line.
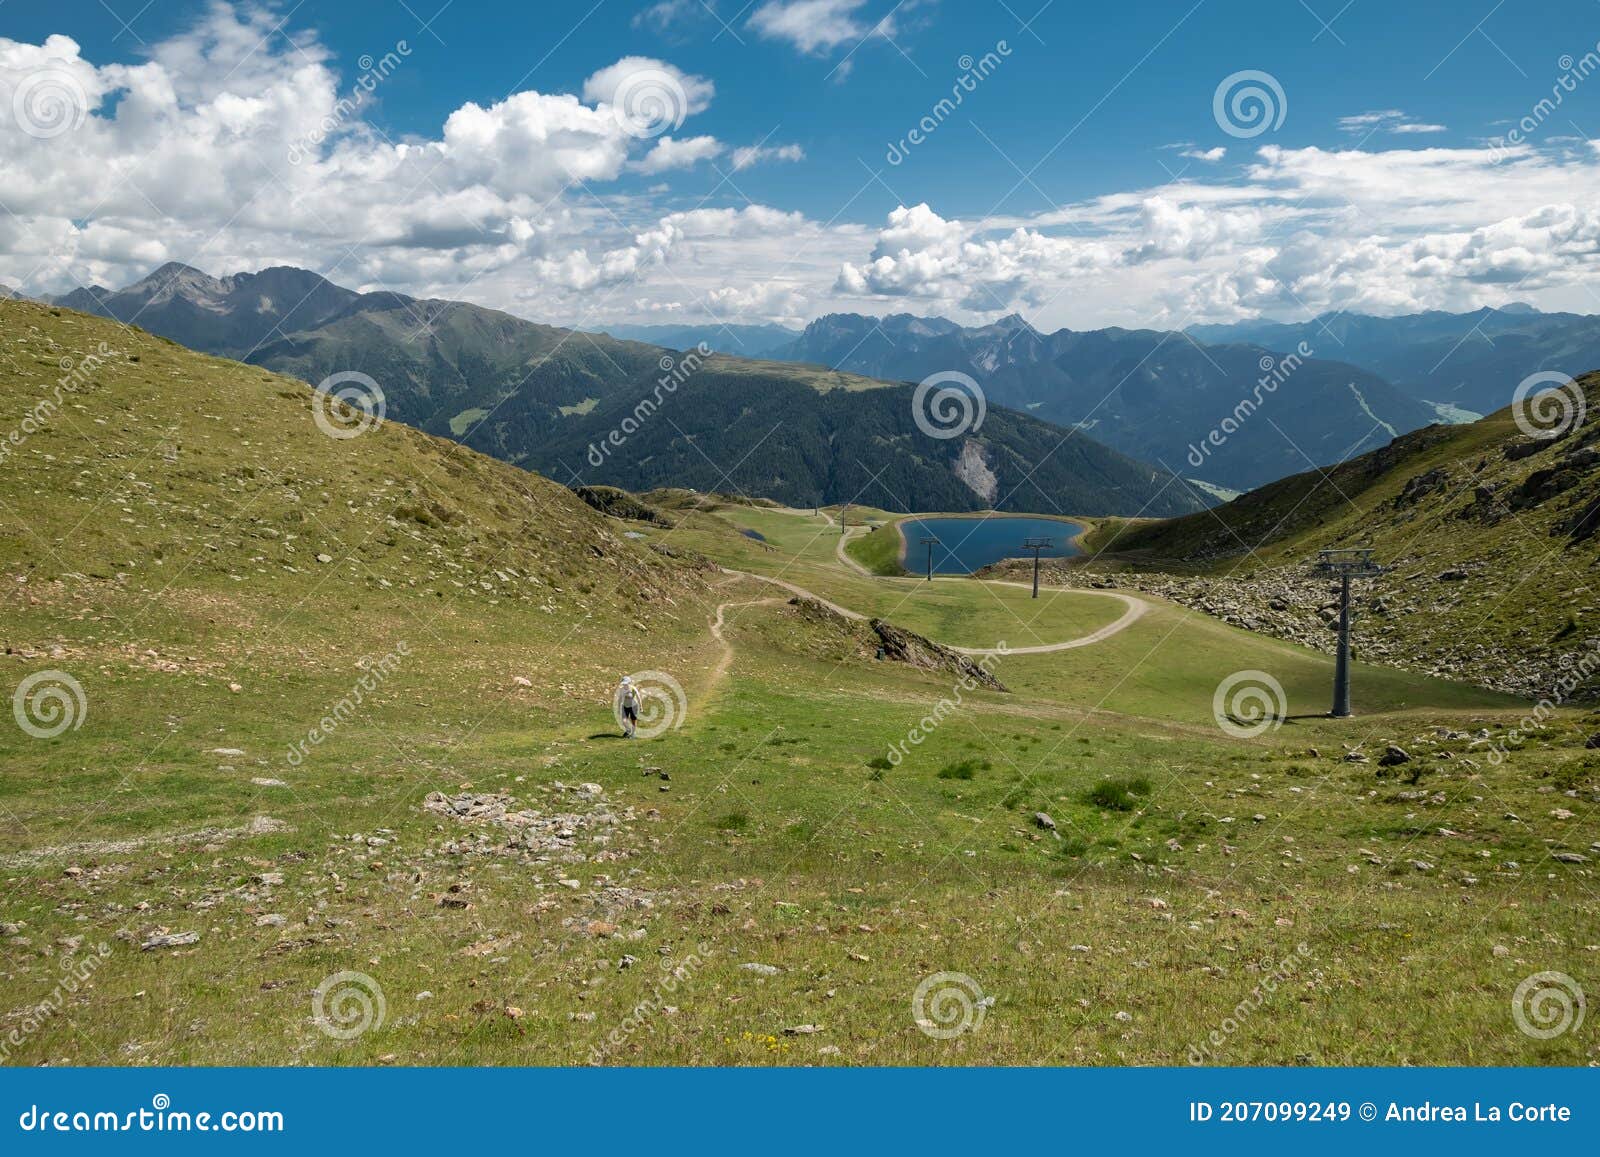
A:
(745, 341)
(218, 314)
(541, 397)
(1157, 396)
(1470, 360)
(1231, 407)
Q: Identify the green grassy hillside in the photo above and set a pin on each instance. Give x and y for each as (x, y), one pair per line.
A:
(177, 525)
(494, 381)
(312, 761)
(1490, 535)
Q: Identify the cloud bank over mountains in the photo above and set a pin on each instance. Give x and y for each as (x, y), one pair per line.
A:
(232, 146)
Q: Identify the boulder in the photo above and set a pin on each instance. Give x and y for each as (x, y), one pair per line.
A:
(1393, 756)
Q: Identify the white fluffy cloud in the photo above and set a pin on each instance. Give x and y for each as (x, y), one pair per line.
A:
(817, 25)
(674, 154)
(749, 155)
(613, 84)
(1391, 231)
(232, 148)
(920, 254)
(229, 147)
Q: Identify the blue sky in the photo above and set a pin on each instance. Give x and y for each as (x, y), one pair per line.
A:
(1079, 181)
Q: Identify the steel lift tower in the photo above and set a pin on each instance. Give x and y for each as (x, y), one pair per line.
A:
(1036, 545)
(1346, 564)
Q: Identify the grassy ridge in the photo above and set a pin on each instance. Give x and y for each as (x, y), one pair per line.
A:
(881, 550)
(1489, 536)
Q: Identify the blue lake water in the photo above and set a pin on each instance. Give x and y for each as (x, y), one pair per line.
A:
(968, 544)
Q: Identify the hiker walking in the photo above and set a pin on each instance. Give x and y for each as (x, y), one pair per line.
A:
(628, 707)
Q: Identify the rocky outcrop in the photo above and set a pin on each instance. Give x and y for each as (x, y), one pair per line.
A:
(621, 504)
(973, 469)
(905, 646)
